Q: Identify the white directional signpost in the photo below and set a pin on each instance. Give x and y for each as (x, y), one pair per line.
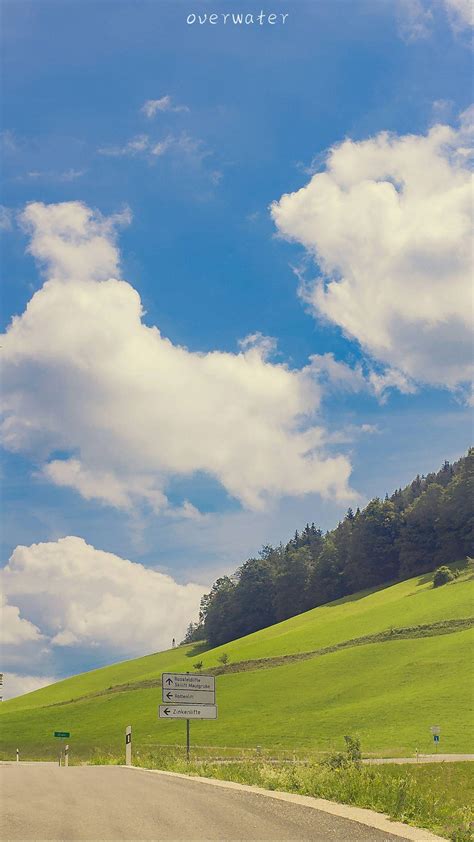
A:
(188, 681)
(188, 696)
(188, 711)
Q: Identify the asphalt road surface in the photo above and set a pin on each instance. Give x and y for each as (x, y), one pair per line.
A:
(44, 802)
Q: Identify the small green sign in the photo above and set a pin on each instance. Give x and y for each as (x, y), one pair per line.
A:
(63, 734)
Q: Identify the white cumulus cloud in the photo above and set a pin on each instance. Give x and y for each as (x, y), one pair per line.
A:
(126, 407)
(72, 242)
(17, 685)
(388, 222)
(461, 12)
(416, 17)
(339, 375)
(15, 629)
(138, 145)
(182, 147)
(152, 106)
(6, 218)
(76, 595)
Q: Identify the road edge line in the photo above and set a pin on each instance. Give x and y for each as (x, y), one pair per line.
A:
(370, 818)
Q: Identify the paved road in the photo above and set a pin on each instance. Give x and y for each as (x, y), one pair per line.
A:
(112, 803)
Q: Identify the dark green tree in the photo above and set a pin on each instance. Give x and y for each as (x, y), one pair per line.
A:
(220, 612)
(291, 582)
(254, 596)
(420, 535)
(373, 556)
(326, 582)
(194, 632)
(456, 518)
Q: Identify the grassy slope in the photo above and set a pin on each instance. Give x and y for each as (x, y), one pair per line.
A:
(388, 693)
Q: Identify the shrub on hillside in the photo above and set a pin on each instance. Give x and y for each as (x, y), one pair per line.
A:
(442, 575)
(350, 757)
(353, 749)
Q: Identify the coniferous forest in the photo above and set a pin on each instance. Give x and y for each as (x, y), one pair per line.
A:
(426, 524)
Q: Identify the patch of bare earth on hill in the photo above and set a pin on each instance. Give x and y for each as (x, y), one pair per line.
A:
(391, 634)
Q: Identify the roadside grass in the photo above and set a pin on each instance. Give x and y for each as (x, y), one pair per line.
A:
(437, 796)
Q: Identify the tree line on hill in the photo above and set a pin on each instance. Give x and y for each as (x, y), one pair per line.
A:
(427, 523)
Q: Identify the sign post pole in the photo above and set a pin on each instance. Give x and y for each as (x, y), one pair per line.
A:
(128, 745)
(187, 739)
(62, 735)
(66, 755)
(18, 755)
(435, 730)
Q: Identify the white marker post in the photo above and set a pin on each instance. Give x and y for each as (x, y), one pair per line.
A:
(18, 755)
(128, 745)
(66, 755)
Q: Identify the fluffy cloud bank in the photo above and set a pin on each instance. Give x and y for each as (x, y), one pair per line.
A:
(389, 224)
(15, 629)
(127, 409)
(18, 685)
(70, 594)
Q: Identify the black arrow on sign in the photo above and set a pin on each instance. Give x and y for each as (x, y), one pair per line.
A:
(169, 695)
(167, 711)
(169, 681)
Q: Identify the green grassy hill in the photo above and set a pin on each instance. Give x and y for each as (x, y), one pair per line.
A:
(383, 665)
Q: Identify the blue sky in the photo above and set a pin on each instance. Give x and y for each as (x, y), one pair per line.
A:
(245, 115)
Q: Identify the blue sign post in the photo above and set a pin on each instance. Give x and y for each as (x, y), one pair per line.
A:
(435, 730)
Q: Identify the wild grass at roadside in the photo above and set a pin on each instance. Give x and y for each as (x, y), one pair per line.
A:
(435, 796)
